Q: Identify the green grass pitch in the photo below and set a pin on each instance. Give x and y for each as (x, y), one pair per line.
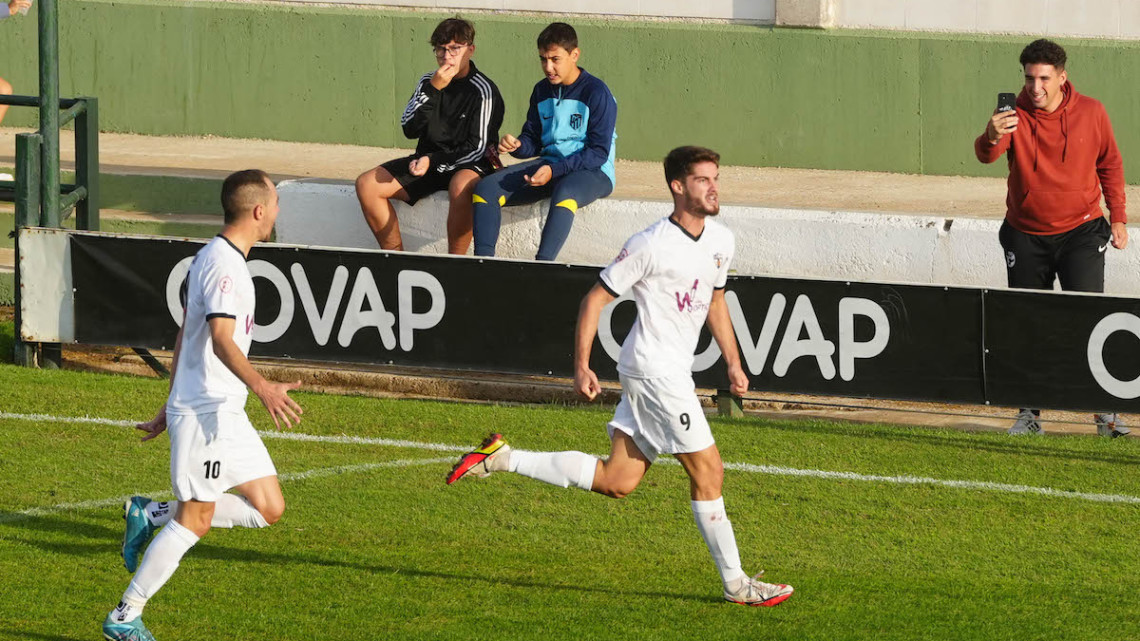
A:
(391, 552)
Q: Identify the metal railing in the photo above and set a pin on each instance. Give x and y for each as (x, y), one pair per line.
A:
(29, 191)
(41, 201)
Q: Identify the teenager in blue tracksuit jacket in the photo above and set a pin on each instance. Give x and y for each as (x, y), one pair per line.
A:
(570, 126)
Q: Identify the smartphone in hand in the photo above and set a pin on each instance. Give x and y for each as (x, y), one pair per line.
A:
(1006, 102)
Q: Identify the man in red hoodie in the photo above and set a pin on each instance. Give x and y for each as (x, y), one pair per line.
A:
(1061, 155)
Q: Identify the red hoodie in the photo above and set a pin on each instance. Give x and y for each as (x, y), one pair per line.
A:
(1058, 164)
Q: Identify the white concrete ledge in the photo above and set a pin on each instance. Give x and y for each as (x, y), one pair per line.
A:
(786, 242)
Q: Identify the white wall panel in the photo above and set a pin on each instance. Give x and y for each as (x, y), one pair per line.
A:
(1095, 18)
(47, 307)
(953, 15)
(872, 14)
(1130, 19)
(1055, 18)
(1025, 16)
(749, 10)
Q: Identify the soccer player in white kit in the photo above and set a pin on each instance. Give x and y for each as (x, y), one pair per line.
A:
(677, 270)
(213, 446)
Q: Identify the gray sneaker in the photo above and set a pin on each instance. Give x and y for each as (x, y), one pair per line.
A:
(755, 592)
(1027, 423)
(1109, 424)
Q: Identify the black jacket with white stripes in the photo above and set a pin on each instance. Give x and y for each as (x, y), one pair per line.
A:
(458, 125)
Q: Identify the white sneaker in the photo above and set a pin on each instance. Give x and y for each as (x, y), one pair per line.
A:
(1027, 423)
(1110, 425)
(755, 592)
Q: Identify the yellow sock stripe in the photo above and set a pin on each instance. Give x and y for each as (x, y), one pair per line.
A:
(476, 198)
(570, 204)
(502, 200)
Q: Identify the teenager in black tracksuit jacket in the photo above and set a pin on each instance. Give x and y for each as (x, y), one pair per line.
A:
(457, 131)
(457, 127)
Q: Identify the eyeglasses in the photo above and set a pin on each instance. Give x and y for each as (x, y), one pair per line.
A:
(454, 50)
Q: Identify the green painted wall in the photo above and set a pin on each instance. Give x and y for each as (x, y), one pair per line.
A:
(902, 102)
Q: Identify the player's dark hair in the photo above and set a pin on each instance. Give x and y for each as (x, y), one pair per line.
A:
(453, 30)
(558, 34)
(1044, 52)
(242, 190)
(679, 163)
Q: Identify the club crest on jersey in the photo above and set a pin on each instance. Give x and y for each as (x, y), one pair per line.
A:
(248, 324)
(622, 255)
(226, 285)
(576, 121)
(719, 258)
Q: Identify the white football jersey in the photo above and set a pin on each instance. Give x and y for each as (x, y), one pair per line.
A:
(218, 284)
(673, 275)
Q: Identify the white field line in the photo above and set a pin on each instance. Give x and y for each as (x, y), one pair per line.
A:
(987, 486)
(166, 495)
(922, 480)
(272, 434)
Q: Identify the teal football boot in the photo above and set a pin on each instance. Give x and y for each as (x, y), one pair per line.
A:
(138, 531)
(125, 631)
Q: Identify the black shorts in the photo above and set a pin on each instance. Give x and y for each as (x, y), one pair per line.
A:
(1032, 261)
(419, 186)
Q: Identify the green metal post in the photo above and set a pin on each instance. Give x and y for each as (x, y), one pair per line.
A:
(727, 404)
(50, 353)
(49, 111)
(28, 180)
(27, 215)
(87, 165)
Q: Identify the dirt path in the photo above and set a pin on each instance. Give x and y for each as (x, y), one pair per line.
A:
(775, 187)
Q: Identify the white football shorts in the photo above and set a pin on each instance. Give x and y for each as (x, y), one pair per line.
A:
(211, 453)
(662, 416)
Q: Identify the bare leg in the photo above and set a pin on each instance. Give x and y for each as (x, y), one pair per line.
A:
(373, 188)
(459, 211)
(620, 474)
(264, 494)
(195, 516)
(706, 473)
(6, 90)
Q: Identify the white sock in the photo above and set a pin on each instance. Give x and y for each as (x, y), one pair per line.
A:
(231, 510)
(160, 512)
(557, 468)
(158, 563)
(125, 612)
(716, 529)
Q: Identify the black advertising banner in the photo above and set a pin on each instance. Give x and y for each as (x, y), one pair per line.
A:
(346, 306)
(1079, 352)
(914, 342)
(859, 339)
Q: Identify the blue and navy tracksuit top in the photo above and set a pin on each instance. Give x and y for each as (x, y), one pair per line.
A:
(573, 127)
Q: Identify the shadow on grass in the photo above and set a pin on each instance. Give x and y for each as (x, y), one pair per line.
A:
(59, 525)
(231, 555)
(238, 555)
(967, 441)
(46, 637)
